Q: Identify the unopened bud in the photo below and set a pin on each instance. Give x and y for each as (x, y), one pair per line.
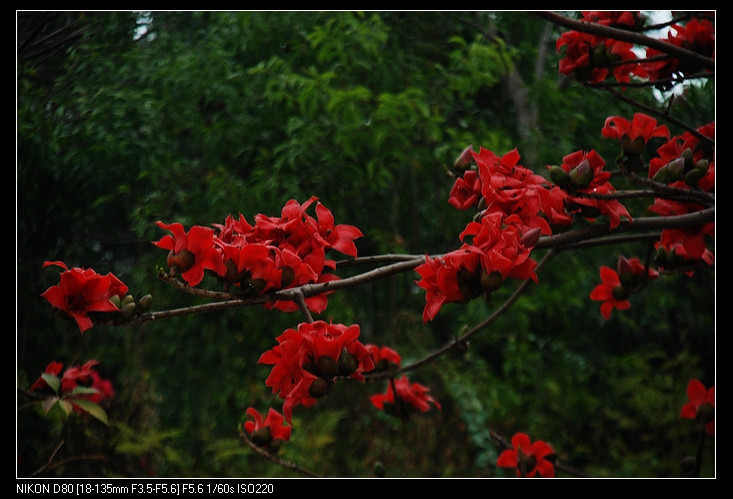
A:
(559, 176)
(464, 160)
(145, 302)
(582, 175)
(115, 299)
(688, 158)
(347, 363)
(127, 300)
(671, 172)
(128, 311)
(693, 177)
(531, 237)
(702, 165)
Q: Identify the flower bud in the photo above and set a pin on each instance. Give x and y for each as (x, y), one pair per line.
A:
(559, 176)
(115, 299)
(693, 177)
(379, 470)
(128, 311)
(626, 273)
(145, 302)
(531, 237)
(702, 165)
(582, 175)
(347, 363)
(127, 299)
(688, 158)
(463, 162)
(671, 172)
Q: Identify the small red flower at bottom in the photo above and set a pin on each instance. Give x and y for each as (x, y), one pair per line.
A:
(528, 458)
(269, 432)
(701, 405)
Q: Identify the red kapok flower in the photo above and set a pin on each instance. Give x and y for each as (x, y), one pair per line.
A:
(81, 291)
(192, 252)
(701, 405)
(633, 134)
(95, 387)
(530, 459)
(384, 358)
(409, 396)
(269, 432)
(610, 292)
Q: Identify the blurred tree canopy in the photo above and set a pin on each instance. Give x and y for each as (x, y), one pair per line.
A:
(127, 118)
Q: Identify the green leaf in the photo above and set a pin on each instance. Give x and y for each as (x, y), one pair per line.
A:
(52, 381)
(93, 410)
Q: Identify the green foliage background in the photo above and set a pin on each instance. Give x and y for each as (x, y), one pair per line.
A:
(191, 116)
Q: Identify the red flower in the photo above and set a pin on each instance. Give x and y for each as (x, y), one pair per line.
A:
(269, 432)
(84, 376)
(307, 361)
(701, 405)
(449, 279)
(338, 237)
(584, 172)
(529, 459)
(409, 396)
(384, 358)
(191, 253)
(466, 191)
(623, 19)
(82, 291)
(589, 57)
(635, 134)
(53, 368)
(611, 293)
(632, 272)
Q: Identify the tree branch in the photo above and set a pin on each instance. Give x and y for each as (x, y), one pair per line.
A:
(685, 55)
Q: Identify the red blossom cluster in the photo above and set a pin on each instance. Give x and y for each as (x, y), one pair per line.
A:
(273, 254)
(307, 361)
(685, 162)
(78, 383)
(402, 398)
(594, 58)
(83, 291)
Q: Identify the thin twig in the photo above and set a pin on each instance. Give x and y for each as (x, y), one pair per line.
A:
(280, 462)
